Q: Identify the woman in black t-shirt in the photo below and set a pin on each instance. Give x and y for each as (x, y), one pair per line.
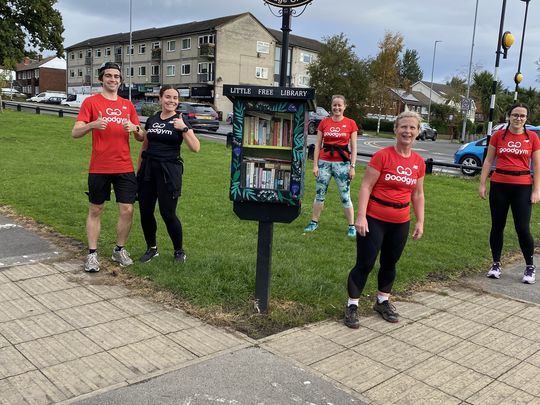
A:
(160, 172)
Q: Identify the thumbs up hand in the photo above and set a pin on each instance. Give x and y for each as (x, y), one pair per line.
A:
(100, 123)
(128, 125)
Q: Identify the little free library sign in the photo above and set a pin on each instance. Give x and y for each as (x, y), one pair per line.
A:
(268, 92)
(287, 3)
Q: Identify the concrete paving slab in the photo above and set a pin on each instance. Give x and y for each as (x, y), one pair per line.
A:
(17, 273)
(168, 321)
(12, 362)
(425, 338)
(95, 313)
(500, 393)
(248, 376)
(33, 327)
(521, 377)
(62, 299)
(20, 308)
(29, 388)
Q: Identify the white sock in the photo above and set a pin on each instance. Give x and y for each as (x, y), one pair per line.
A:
(353, 301)
(382, 298)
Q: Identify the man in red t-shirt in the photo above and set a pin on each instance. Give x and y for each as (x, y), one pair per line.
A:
(111, 119)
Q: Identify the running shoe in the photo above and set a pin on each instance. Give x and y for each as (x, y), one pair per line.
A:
(351, 317)
(92, 264)
(495, 270)
(121, 257)
(149, 254)
(387, 311)
(351, 233)
(180, 256)
(529, 277)
(311, 226)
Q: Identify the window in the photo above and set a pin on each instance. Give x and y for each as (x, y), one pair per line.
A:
(98, 53)
(80, 54)
(303, 80)
(107, 51)
(129, 71)
(96, 72)
(128, 50)
(79, 72)
(171, 70)
(186, 69)
(171, 46)
(206, 39)
(71, 73)
(156, 45)
(88, 53)
(119, 51)
(155, 70)
(142, 70)
(186, 43)
(88, 70)
(261, 73)
(306, 57)
(71, 55)
(142, 49)
(263, 47)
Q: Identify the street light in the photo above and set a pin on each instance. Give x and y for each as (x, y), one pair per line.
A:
(468, 101)
(431, 86)
(518, 76)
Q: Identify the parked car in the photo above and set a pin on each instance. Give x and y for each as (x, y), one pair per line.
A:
(75, 100)
(43, 96)
(315, 117)
(472, 153)
(229, 118)
(427, 132)
(199, 116)
(54, 100)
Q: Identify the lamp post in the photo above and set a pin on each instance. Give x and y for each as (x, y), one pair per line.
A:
(129, 52)
(518, 76)
(431, 86)
(504, 41)
(468, 101)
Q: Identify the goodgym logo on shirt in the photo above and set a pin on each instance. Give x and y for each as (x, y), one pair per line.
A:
(334, 132)
(158, 128)
(514, 148)
(405, 174)
(113, 115)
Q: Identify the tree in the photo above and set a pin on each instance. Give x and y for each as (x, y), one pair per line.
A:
(338, 70)
(481, 89)
(409, 70)
(33, 23)
(385, 72)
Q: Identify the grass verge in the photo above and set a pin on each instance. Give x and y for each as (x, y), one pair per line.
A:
(44, 175)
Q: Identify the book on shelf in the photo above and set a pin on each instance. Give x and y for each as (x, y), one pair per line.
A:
(267, 129)
(258, 173)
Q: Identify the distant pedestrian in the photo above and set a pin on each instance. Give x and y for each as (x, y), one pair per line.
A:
(512, 186)
(160, 172)
(334, 156)
(111, 119)
(393, 179)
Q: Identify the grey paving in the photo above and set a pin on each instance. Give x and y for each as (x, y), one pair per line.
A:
(70, 337)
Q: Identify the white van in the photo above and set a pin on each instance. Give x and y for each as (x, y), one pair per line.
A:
(42, 97)
(75, 100)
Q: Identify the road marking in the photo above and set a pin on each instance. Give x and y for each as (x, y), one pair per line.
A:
(9, 226)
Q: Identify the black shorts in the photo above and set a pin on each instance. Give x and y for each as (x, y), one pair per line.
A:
(124, 184)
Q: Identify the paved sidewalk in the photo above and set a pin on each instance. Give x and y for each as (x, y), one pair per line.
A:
(66, 337)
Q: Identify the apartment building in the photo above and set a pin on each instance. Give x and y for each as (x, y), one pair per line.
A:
(35, 76)
(196, 57)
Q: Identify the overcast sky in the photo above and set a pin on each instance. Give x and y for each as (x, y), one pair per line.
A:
(364, 22)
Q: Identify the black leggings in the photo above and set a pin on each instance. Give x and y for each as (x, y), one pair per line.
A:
(390, 240)
(518, 197)
(151, 191)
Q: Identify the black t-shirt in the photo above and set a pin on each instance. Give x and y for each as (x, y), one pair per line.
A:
(164, 140)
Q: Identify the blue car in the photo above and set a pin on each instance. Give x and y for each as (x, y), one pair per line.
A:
(472, 153)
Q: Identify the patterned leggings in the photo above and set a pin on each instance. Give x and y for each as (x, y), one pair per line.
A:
(340, 172)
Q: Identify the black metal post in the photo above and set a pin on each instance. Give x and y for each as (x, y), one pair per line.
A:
(264, 266)
(285, 28)
(521, 47)
(495, 74)
(266, 229)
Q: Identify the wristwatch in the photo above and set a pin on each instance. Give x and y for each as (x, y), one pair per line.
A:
(185, 129)
(138, 129)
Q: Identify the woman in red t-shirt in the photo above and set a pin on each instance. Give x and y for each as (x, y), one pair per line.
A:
(512, 186)
(333, 158)
(393, 179)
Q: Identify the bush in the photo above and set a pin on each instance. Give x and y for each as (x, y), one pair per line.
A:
(370, 124)
(148, 110)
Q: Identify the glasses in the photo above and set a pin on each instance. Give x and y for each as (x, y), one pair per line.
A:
(518, 116)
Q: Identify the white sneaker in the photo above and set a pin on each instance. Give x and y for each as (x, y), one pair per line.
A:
(121, 257)
(529, 277)
(92, 264)
(495, 270)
